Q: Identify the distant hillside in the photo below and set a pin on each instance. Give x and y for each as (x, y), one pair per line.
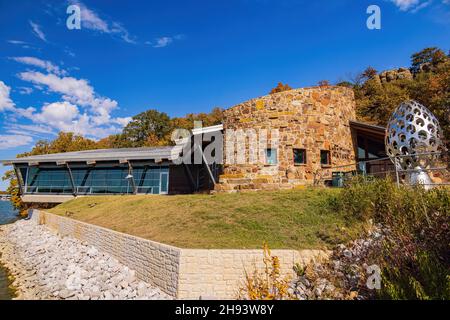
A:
(427, 81)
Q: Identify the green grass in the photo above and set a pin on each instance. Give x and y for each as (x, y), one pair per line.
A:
(294, 219)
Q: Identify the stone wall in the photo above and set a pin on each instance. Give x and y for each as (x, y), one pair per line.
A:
(313, 119)
(221, 272)
(181, 273)
(154, 262)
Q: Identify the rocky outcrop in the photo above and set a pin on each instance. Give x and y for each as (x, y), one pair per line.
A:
(46, 266)
(394, 74)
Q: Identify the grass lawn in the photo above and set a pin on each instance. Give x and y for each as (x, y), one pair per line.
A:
(294, 219)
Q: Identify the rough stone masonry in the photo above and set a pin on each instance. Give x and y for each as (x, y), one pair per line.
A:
(312, 119)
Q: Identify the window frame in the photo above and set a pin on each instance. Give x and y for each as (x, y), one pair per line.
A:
(268, 162)
(328, 164)
(305, 156)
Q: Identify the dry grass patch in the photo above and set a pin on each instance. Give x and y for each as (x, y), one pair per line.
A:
(293, 219)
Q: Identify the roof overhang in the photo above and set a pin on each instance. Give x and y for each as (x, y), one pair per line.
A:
(158, 155)
(368, 129)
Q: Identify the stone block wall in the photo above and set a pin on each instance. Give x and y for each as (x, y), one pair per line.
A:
(154, 262)
(181, 273)
(222, 272)
(313, 119)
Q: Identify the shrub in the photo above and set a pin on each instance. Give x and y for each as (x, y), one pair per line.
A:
(267, 285)
(415, 257)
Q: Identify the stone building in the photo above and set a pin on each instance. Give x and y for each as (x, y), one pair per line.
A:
(315, 136)
(311, 133)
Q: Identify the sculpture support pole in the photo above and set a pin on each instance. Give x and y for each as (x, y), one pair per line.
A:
(396, 173)
(420, 177)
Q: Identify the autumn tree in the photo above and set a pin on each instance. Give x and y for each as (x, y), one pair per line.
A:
(64, 142)
(432, 89)
(323, 83)
(147, 129)
(376, 101)
(431, 57)
(280, 88)
(369, 73)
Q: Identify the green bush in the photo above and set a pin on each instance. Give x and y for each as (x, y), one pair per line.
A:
(415, 257)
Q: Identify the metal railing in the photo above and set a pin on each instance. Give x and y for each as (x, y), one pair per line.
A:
(384, 167)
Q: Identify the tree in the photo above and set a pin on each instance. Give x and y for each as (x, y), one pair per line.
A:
(432, 89)
(375, 102)
(64, 142)
(323, 83)
(280, 88)
(369, 73)
(427, 57)
(145, 125)
(345, 83)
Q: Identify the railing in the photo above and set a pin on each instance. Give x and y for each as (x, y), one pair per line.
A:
(384, 167)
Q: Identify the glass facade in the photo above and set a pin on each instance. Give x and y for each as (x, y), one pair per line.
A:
(98, 180)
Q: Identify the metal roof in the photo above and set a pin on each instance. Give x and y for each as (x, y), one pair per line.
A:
(124, 154)
(365, 125)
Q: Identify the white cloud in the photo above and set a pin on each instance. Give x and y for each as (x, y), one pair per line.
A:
(93, 120)
(81, 109)
(37, 31)
(44, 64)
(163, 42)
(411, 5)
(92, 21)
(12, 141)
(74, 90)
(19, 42)
(23, 44)
(57, 113)
(421, 6)
(29, 128)
(405, 5)
(5, 101)
(122, 121)
(25, 90)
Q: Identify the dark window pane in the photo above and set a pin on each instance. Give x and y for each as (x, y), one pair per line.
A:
(299, 156)
(325, 157)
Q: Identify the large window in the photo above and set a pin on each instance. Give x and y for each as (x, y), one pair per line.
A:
(98, 180)
(299, 156)
(370, 148)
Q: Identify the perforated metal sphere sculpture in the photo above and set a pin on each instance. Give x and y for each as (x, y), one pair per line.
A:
(413, 130)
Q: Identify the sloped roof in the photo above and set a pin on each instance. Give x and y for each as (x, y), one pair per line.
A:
(160, 153)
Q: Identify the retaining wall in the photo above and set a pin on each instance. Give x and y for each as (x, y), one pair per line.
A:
(181, 273)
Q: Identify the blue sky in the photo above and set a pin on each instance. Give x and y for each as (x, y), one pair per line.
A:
(186, 56)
